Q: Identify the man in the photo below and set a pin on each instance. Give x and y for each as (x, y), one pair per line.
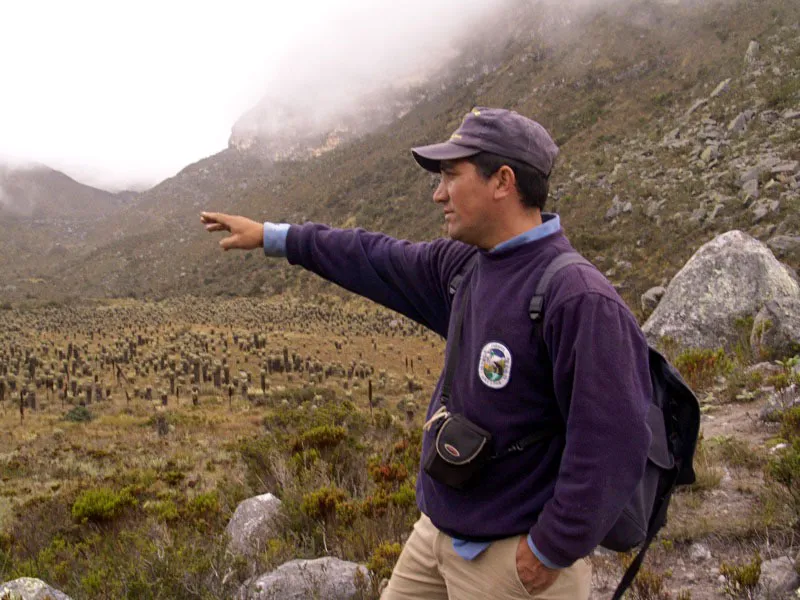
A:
(526, 527)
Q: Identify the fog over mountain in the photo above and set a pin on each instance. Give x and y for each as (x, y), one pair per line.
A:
(122, 97)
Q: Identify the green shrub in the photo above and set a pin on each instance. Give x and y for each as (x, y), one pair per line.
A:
(323, 503)
(166, 510)
(736, 452)
(383, 559)
(101, 504)
(79, 414)
(699, 367)
(204, 506)
(790, 423)
(741, 581)
(321, 438)
(784, 469)
(405, 497)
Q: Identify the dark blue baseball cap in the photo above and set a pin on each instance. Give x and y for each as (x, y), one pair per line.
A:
(496, 130)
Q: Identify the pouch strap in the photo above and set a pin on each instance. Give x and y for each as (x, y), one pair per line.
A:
(455, 350)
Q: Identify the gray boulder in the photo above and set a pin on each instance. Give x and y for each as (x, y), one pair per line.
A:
(778, 577)
(328, 578)
(28, 588)
(253, 523)
(776, 328)
(652, 297)
(728, 278)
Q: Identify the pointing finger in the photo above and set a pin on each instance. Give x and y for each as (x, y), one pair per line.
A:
(209, 217)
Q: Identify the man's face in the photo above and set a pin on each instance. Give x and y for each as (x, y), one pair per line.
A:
(466, 200)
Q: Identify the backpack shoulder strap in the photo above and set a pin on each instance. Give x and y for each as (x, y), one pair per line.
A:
(559, 262)
(455, 282)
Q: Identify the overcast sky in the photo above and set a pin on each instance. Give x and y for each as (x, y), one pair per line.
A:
(123, 93)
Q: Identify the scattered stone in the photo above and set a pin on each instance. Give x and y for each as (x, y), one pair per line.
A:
(778, 447)
(750, 191)
(790, 115)
(253, 523)
(652, 297)
(782, 245)
(764, 368)
(770, 116)
(776, 327)
(787, 167)
(698, 215)
(718, 208)
(328, 578)
(751, 174)
(721, 88)
(778, 576)
(765, 207)
(697, 105)
(672, 136)
(778, 402)
(699, 552)
(710, 153)
(751, 56)
(617, 208)
(739, 124)
(28, 588)
(730, 277)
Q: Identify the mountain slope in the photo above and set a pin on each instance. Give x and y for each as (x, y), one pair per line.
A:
(610, 84)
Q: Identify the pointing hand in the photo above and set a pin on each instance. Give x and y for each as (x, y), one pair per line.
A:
(245, 233)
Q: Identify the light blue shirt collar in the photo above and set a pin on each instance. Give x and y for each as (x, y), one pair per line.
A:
(550, 225)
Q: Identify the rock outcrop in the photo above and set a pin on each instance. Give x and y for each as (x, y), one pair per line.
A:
(729, 278)
(328, 578)
(28, 588)
(253, 523)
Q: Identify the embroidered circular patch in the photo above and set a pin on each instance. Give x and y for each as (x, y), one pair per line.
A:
(494, 367)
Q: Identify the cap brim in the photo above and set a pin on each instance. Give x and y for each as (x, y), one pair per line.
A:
(430, 157)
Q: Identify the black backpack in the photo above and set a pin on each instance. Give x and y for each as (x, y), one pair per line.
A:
(674, 421)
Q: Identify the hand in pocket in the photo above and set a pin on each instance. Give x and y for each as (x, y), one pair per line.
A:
(532, 573)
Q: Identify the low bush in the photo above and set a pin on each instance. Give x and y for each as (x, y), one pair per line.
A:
(700, 367)
(79, 414)
(101, 504)
(741, 580)
(383, 559)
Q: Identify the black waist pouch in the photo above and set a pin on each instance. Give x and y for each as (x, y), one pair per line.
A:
(458, 453)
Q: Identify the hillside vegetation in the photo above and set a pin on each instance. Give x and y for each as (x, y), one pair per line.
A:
(609, 82)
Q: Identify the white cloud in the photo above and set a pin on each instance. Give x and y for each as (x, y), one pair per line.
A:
(118, 93)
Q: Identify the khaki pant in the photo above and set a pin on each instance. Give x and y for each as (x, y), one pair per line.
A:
(430, 569)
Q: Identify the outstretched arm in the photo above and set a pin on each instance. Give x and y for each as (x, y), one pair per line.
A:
(411, 278)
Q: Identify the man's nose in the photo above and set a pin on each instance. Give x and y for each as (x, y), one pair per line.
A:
(440, 193)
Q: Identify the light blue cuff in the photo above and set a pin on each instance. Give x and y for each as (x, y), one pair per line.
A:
(275, 239)
(542, 558)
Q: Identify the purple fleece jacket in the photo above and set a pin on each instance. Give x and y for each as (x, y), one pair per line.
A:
(587, 367)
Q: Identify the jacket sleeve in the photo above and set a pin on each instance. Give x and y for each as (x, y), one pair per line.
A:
(410, 278)
(602, 383)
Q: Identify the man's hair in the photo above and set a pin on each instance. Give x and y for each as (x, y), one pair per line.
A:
(532, 184)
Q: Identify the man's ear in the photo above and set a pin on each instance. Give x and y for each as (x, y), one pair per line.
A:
(506, 181)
